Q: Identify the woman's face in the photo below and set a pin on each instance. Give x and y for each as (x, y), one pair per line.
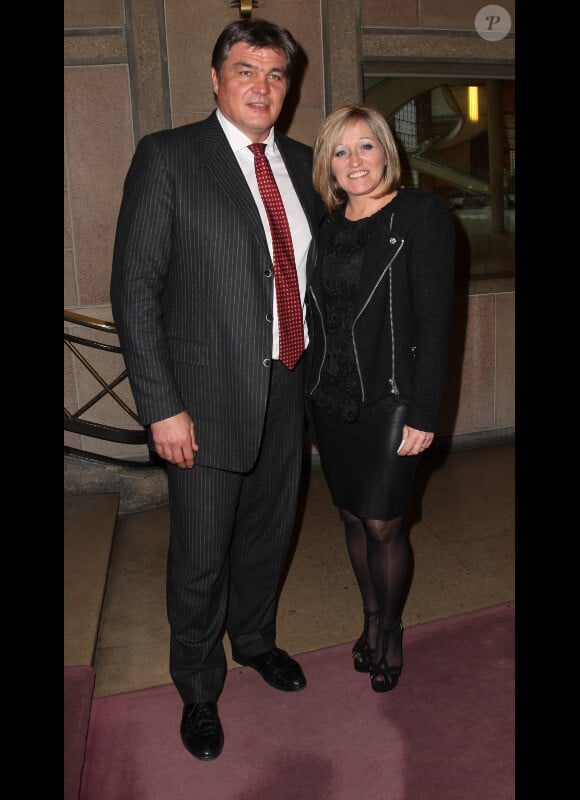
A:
(359, 160)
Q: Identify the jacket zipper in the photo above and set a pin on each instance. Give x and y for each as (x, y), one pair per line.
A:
(394, 389)
(324, 334)
(392, 381)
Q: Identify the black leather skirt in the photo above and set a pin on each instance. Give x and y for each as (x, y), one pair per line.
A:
(360, 462)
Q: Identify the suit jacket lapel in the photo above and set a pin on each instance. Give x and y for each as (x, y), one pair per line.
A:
(222, 163)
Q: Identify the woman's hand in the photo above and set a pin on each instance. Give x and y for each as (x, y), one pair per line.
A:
(414, 442)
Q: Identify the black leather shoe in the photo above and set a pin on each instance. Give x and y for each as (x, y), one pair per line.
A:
(201, 730)
(277, 669)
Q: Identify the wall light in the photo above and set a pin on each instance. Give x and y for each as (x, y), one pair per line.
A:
(473, 103)
(245, 7)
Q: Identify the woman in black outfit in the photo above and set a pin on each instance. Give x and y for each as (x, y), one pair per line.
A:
(379, 316)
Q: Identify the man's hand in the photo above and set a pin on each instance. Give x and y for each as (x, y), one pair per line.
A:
(174, 440)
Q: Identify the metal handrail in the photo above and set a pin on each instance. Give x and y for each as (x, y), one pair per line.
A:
(74, 421)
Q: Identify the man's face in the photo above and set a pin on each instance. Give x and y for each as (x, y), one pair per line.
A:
(251, 88)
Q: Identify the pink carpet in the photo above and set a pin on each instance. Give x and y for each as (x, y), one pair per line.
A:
(445, 733)
(79, 683)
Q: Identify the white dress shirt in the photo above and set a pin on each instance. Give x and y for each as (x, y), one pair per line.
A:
(299, 228)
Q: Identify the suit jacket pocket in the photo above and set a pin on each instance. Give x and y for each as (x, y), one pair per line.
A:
(188, 352)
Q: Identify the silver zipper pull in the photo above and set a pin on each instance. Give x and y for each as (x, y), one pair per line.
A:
(394, 387)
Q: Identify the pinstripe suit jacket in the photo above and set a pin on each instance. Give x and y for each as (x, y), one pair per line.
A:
(190, 290)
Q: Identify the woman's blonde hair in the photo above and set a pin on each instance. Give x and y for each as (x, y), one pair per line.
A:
(329, 137)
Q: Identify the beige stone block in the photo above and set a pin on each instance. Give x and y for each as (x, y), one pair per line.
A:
(192, 29)
(505, 360)
(477, 391)
(99, 144)
(93, 13)
(151, 100)
(343, 77)
(67, 238)
(469, 394)
(89, 525)
(70, 287)
(453, 377)
(438, 46)
(106, 48)
(302, 18)
(146, 546)
(389, 14)
(305, 125)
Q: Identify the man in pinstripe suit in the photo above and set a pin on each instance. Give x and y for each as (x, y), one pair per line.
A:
(193, 299)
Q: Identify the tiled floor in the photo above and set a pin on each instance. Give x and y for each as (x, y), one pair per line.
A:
(462, 534)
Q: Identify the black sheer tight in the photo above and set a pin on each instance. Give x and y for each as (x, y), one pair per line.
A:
(380, 552)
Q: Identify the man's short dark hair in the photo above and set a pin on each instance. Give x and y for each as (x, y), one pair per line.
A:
(256, 33)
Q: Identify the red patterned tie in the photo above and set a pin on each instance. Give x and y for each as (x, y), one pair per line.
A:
(287, 293)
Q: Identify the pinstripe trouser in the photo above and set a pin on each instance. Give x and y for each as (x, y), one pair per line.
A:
(229, 541)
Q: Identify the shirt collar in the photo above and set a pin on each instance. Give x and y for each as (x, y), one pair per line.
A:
(238, 140)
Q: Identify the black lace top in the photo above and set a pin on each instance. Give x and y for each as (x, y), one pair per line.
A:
(340, 267)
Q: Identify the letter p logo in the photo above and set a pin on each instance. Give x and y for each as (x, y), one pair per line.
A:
(493, 23)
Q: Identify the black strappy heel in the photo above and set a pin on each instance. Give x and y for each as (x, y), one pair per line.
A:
(362, 652)
(383, 677)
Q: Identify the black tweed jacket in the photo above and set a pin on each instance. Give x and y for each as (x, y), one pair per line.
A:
(403, 308)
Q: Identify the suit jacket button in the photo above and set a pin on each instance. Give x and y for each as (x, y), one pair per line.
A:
(267, 362)
(269, 317)
(267, 273)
